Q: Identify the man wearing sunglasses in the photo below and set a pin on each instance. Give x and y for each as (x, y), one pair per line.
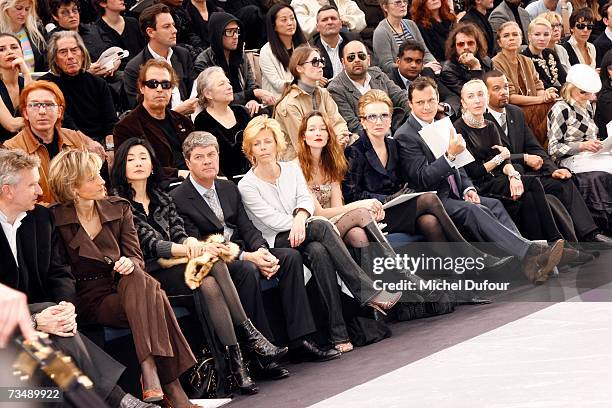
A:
(153, 120)
(226, 51)
(579, 49)
(466, 57)
(358, 78)
(157, 26)
(603, 43)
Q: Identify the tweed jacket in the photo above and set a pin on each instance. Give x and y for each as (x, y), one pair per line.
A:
(568, 126)
(156, 238)
(346, 96)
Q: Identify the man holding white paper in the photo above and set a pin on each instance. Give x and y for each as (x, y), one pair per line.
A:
(485, 218)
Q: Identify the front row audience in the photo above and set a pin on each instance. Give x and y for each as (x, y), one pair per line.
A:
(302, 192)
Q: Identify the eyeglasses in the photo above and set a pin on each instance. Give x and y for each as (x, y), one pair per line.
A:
(362, 56)
(40, 105)
(68, 12)
(556, 26)
(462, 44)
(230, 32)
(154, 83)
(399, 3)
(582, 26)
(373, 118)
(316, 62)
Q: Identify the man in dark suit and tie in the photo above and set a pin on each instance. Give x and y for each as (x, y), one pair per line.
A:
(213, 206)
(484, 218)
(32, 263)
(528, 153)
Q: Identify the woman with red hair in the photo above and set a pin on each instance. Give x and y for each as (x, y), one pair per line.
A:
(435, 20)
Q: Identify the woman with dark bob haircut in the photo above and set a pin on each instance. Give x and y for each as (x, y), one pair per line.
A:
(136, 177)
(284, 35)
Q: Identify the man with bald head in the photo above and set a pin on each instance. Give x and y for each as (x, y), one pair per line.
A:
(359, 77)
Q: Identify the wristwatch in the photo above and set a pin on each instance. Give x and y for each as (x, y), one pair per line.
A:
(498, 159)
(515, 175)
(450, 157)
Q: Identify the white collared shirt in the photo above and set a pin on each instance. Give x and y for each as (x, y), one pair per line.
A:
(227, 232)
(497, 116)
(10, 231)
(176, 94)
(406, 81)
(334, 55)
(362, 88)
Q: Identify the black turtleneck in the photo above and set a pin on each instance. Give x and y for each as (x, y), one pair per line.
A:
(89, 104)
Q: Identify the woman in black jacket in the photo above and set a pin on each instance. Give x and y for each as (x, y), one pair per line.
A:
(603, 116)
(136, 177)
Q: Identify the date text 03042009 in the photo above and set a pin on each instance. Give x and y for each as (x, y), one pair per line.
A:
(40, 394)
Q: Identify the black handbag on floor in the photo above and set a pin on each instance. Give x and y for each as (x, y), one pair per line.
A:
(202, 378)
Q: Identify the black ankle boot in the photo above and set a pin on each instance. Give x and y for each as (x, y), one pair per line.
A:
(256, 343)
(238, 371)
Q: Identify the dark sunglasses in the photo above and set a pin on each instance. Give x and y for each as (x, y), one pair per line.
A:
(582, 26)
(230, 32)
(316, 62)
(154, 83)
(362, 56)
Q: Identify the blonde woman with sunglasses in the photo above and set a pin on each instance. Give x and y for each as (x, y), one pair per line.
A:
(304, 95)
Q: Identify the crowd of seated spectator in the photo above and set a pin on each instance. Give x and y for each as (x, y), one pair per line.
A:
(283, 127)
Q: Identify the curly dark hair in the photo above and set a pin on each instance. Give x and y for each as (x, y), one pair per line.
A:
(466, 29)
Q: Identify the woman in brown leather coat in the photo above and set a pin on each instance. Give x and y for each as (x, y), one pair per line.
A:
(102, 248)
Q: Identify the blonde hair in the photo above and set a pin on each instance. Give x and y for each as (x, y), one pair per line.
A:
(536, 22)
(69, 169)
(373, 96)
(481, 84)
(30, 25)
(566, 92)
(551, 17)
(256, 126)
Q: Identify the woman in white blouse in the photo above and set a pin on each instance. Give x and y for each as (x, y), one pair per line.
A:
(277, 200)
(284, 34)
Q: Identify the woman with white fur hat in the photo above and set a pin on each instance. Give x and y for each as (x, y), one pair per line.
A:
(574, 143)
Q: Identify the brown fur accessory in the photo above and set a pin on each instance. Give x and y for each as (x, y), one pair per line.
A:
(198, 268)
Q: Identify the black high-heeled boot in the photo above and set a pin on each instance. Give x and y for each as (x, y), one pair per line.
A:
(256, 343)
(238, 371)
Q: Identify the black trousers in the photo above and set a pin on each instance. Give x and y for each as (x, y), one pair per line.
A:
(294, 301)
(325, 254)
(568, 194)
(101, 368)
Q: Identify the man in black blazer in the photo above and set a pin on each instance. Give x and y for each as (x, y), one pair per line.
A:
(213, 206)
(603, 43)
(528, 153)
(157, 26)
(484, 218)
(331, 39)
(32, 263)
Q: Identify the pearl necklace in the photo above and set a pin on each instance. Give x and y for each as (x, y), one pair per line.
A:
(472, 121)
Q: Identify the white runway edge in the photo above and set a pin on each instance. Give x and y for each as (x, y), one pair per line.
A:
(558, 357)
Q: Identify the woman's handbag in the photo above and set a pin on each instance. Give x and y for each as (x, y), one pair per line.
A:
(202, 379)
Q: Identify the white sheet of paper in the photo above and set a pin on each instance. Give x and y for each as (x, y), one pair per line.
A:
(437, 136)
(404, 197)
